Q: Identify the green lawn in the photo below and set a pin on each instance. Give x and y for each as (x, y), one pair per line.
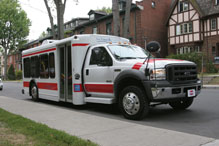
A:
(19, 131)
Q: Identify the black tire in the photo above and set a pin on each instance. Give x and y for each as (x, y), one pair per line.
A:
(181, 104)
(133, 103)
(1, 89)
(34, 92)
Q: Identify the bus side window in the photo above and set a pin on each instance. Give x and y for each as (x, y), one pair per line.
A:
(51, 65)
(44, 68)
(27, 67)
(35, 67)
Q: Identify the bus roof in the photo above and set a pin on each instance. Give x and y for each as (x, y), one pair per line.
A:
(91, 39)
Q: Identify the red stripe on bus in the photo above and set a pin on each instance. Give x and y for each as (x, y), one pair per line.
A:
(47, 86)
(102, 88)
(44, 51)
(75, 45)
(137, 66)
(26, 84)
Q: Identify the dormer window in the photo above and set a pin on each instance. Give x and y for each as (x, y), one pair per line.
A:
(216, 2)
(183, 6)
(92, 16)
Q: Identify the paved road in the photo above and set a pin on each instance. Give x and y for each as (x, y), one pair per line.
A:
(201, 119)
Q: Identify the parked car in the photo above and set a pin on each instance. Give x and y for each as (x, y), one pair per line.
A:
(1, 84)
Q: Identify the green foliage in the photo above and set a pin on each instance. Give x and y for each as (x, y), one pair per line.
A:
(105, 9)
(194, 57)
(18, 75)
(39, 134)
(11, 73)
(14, 26)
(210, 68)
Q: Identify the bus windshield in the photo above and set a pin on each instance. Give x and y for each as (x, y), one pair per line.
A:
(128, 52)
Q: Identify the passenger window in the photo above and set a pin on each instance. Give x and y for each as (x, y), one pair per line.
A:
(100, 56)
(35, 67)
(27, 67)
(44, 68)
(51, 65)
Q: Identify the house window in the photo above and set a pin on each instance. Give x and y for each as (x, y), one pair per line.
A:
(197, 49)
(183, 50)
(183, 6)
(94, 30)
(213, 50)
(92, 17)
(108, 28)
(216, 2)
(184, 28)
(153, 4)
(213, 24)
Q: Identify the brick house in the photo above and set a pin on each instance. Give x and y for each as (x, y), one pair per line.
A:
(147, 22)
(193, 26)
(14, 59)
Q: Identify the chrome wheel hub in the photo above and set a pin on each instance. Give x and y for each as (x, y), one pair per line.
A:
(131, 103)
(34, 92)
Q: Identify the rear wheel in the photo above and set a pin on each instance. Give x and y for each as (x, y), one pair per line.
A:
(34, 92)
(133, 103)
(181, 104)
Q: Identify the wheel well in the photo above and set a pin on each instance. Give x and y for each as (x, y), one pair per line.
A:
(127, 82)
(32, 82)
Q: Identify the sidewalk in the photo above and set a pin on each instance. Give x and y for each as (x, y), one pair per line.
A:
(104, 131)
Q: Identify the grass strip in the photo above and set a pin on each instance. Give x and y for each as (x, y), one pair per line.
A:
(36, 133)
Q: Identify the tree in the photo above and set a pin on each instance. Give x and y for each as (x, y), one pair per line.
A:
(14, 27)
(127, 18)
(60, 10)
(105, 9)
(50, 18)
(11, 73)
(116, 19)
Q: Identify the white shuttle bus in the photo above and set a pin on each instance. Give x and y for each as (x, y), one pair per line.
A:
(107, 69)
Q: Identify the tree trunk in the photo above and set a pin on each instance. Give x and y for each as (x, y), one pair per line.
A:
(60, 17)
(127, 18)
(50, 18)
(116, 17)
(5, 64)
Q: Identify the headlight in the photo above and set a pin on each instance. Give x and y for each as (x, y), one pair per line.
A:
(158, 74)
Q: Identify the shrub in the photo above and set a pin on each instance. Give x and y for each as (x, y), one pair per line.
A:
(194, 57)
(18, 75)
(11, 73)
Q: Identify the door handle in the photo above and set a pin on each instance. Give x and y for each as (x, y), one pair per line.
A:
(87, 72)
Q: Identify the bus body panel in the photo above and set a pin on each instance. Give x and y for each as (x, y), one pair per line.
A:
(50, 88)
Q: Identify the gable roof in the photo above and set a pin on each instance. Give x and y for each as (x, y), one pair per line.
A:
(205, 8)
(208, 7)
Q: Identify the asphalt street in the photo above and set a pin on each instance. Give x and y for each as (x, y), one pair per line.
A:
(202, 118)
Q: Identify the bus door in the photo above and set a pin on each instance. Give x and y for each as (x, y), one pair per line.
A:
(66, 88)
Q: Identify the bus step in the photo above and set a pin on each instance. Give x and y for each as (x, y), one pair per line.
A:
(100, 100)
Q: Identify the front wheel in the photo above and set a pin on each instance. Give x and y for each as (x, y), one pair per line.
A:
(181, 104)
(34, 92)
(133, 103)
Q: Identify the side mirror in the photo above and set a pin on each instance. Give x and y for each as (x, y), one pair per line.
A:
(153, 47)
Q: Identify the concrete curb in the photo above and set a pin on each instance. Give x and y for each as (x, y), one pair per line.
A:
(101, 130)
(210, 86)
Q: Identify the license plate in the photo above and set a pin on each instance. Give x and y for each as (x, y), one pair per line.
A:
(191, 93)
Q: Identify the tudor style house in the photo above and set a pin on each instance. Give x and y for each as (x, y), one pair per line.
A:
(193, 26)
